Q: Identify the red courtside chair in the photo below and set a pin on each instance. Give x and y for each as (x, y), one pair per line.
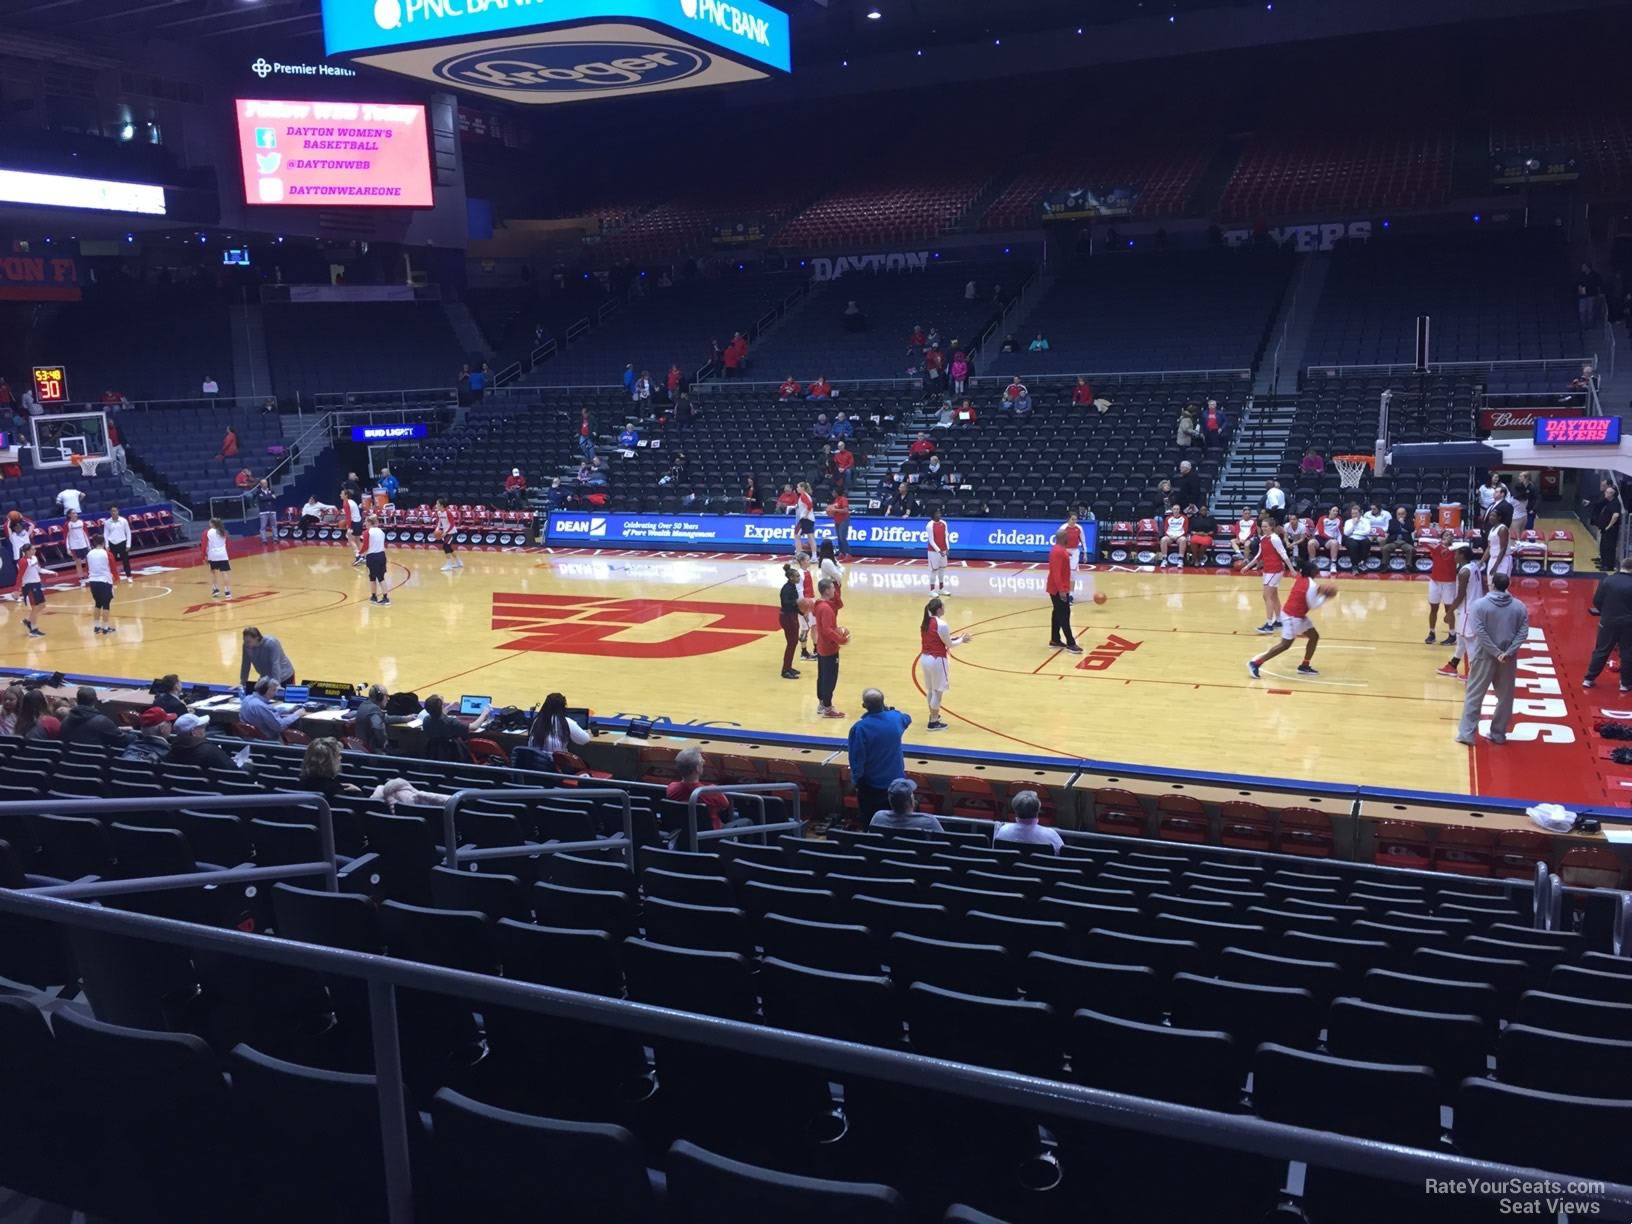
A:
(486, 752)
(1470, 852)
(1182, 818)
(929, 794)
(1305, 832)
(1591, 867)
(1518, 852)
(1119, 811)
(975, 798)
(1245, 826)
(1399, 843)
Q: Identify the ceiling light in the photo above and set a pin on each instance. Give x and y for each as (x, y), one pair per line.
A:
(873, 14)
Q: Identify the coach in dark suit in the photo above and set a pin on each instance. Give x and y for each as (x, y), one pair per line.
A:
(1613, 601)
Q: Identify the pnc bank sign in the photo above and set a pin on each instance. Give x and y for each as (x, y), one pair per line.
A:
(538, 52)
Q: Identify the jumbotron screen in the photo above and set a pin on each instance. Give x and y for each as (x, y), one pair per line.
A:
(334, 154)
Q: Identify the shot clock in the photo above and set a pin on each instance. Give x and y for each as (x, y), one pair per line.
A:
(51, 384)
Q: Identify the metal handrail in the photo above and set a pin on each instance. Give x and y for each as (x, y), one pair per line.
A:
(1539, 363)
(1053, 1098)
(1236, 372)
(1541, 898)
(693, 834)
(297, 448)
(328, 868)
(1621, 942)
(450, 834)
(1555, 902)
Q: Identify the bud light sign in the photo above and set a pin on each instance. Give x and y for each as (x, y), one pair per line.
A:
(974, 539)
(386, 433)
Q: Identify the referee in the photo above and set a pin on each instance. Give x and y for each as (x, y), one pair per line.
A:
(1613, 603)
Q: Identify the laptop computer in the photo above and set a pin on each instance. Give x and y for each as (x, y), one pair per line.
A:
(474, 707)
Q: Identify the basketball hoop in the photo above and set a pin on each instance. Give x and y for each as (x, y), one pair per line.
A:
(1350, 468)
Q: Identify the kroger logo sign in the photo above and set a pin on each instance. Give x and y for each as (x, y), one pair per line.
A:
(572, 67)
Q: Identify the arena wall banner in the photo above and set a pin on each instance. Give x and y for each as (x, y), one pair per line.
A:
(975, 539)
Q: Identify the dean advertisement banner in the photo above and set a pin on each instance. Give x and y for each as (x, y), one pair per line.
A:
(984, 539)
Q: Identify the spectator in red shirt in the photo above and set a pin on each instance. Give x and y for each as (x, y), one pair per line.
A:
(966, 413)
(916, 340)
(789, 390)
(1014, 390)
(1082, 394)
(820, 389)
(923, 448)
(229, 447)
(1059, 594)
(673, 382)
(787, 500)
(736, 354)
(839, 511)
(689, 761)
(515, 485)
(843, 457)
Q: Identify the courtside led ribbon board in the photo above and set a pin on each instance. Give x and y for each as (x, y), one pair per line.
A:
(991, 539)
(334, 154)
(386, 433)
(747, 29)
(66, 191)
(1578, 431)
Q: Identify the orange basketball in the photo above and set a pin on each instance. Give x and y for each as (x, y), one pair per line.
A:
(805, 606)
(1100, 597)
(1328, 589)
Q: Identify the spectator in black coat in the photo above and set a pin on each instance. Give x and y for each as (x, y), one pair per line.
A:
(85, 724)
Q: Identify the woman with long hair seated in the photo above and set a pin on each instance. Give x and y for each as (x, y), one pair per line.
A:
(552, 731)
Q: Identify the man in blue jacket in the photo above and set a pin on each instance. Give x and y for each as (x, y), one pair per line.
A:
(876, 758)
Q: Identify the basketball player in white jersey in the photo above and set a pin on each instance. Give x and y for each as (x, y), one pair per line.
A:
(78, 542)
(215, 552)
(1470, 585)
(374, 554)
(99, 578)
(1499, 537)
(444, 534)
(935, 643)
(939, 546)
(1073, 543)
(1274, 560)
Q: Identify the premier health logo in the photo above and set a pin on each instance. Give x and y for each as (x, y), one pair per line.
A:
(261, 68)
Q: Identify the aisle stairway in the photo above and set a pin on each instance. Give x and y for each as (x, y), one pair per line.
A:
(1255, 453)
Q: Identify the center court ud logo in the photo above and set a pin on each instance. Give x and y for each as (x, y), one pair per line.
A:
(581, 625)
(573, 67)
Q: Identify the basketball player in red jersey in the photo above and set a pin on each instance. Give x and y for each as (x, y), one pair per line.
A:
(939, 547)
(1073, 541)
(1301, 600)
(934, 665)
(807, 587)
(1442, 587)
(1273, 559)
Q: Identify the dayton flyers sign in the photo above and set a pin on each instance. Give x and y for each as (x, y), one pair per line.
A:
(1524, 419)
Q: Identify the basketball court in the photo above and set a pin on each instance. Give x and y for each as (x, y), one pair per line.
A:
(695, 639)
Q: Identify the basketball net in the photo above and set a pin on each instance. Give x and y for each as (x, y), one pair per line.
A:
(1350, 468)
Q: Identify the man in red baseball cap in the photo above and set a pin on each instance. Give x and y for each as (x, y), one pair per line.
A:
(153, 743)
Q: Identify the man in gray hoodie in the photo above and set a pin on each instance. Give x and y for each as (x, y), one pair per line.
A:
(1497, 626)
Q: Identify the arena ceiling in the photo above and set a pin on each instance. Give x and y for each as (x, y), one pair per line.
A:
(822, 29)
